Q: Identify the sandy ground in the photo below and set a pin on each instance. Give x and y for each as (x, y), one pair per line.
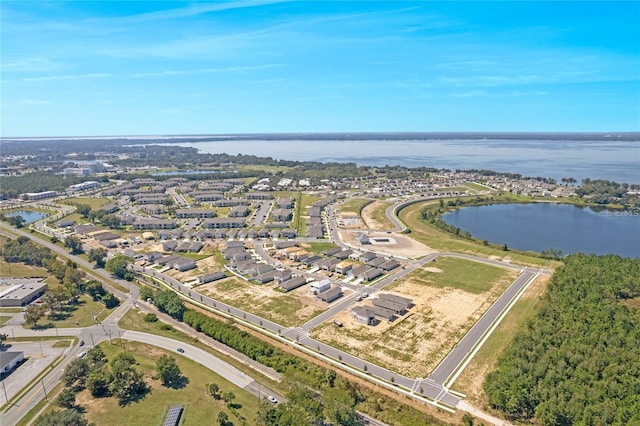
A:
(416, 342)
(399, 246)
(371, 222)
(292, 308)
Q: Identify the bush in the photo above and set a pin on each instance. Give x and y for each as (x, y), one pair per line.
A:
(150, 317)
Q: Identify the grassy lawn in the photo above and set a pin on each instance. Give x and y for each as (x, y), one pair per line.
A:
(81, 314)
(463, 274)
(318, 247)
(302, 203)
(94, 203)
(379, 215)
(195, 256)
(20, 270)
(134, 320)
(471, 380)
(354, 205)
(442, 241)
(10, 310)
(199, 409)
(3, 319)
(475, 186)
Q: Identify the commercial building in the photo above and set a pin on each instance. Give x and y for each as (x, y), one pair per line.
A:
(21, 291)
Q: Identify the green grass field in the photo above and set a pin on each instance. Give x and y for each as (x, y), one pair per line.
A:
(94, 203)
(82, 314)
(199, 408)
(353, 205)
(134, 320)
(379, 214)
(318, 247)
(475, 186)
(462, 274)
(20, 270)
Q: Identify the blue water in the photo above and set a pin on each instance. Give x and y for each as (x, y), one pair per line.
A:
(611, 159)
(29, 216)
(541, 226)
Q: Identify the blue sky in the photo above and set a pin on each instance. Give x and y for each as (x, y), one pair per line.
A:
(141, 68)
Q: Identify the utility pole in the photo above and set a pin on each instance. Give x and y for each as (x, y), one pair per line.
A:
(5, 393)
(45, 390)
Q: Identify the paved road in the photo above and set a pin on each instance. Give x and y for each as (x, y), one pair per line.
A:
(448, 366)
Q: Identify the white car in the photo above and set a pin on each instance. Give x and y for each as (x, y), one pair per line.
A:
(82, 354)
(272, 400)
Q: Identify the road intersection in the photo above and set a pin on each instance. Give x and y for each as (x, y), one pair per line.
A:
(433, 389)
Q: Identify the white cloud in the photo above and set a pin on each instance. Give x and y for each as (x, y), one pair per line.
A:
(66, 77)
(35, 101)
(234, 69)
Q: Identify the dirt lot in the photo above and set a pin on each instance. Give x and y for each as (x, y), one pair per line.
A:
(398, 246)
(289, 309)
(368, 215)
(416, 342)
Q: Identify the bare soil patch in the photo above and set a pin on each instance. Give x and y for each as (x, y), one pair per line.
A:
(414, 343)
(288, 309)
(369, 215)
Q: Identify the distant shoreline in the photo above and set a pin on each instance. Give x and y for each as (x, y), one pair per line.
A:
(351, 136)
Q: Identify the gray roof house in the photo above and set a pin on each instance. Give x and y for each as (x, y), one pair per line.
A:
(212, 276)
(364, 315)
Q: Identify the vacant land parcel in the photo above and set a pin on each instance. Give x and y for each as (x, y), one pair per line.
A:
(289, 309)
(449, 296)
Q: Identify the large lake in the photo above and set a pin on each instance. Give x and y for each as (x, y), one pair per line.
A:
(615, 160)
(541, 226)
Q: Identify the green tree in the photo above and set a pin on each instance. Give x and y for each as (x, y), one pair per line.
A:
(97, 255)
(96, 357)
(170, 303)
(16, 221)
(213, 390)
(110, 301)
(146, 293)
(94, 289)
(127, 384)
(228, 397)
(75, 374)
(223, 418)
(73, 244)
(339, 407)
(66, 398)
(68, 417)
(150, 317)
(33, 314)
(168, 370)
(83, 210)
(98, 382)
(117, 265)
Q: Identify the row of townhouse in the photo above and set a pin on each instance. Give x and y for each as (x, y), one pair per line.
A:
(386, 306)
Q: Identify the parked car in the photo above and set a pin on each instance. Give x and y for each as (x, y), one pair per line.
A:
(272, 400)
(337, 323)
(82, 354)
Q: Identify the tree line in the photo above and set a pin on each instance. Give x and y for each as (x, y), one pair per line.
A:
(577, 361)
